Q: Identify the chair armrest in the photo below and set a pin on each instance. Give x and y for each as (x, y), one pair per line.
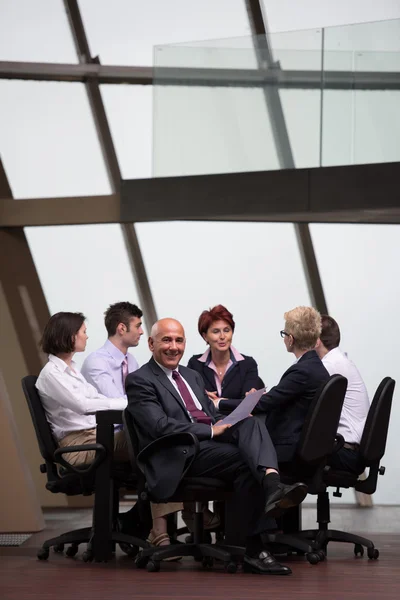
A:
(339, 441)
(173, 439)
(100, 456)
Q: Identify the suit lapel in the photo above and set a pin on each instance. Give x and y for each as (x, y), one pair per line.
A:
(210, 376)
(164, 381)
(231, 373)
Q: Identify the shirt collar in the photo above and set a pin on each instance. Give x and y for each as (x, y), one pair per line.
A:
(62, 365)
(168, 372)
(235, 356)
(332, 353)
(115, 352)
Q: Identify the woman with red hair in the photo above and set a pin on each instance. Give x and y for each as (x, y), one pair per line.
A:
(226, 373)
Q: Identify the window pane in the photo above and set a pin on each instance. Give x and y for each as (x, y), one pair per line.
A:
(129, 113)
(254, 269)
(215, 129)
(49, 142)
(362, 289)
(85, 268)
(124, 32)
(35, 31)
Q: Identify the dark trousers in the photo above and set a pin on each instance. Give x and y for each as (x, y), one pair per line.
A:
(347, 459)
(240, 456)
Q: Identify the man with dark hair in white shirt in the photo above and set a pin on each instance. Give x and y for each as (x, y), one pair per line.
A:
(356, 402)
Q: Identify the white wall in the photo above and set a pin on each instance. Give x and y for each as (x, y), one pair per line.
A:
(49, 148)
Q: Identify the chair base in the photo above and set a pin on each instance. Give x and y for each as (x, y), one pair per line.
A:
(314, 543)
(129, 544)
(284, 543)
(320, 538)
(151, 558)
(75, 537)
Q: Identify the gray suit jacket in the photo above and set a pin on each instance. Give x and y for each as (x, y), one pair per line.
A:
(158, 410)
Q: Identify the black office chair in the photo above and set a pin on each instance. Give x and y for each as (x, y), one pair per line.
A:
(191, 489)
(64, 478)
(372, 449)
(318, 439)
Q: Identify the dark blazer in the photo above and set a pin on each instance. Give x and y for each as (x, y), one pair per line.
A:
(158, 410)
(241, 377)
(286, 405)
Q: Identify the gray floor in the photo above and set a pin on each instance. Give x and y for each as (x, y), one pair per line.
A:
(377, 519)
(349, 517)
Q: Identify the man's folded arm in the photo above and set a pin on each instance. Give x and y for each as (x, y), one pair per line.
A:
(146, 409)
(287, 390)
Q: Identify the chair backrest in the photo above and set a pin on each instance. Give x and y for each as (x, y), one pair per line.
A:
(373, 440)
(46, 441)
(320, 427)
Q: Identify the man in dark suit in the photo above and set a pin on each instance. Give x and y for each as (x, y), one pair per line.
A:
(164, 400)
(285, 406)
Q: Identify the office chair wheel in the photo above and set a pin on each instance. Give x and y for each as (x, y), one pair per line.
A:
(322, 555)
(207, 562)
(43, 554)
(72, 550)
(153, 566)
(141, 561)
(87, 556)
(231, 567)
(58, 548)
(313, 558)
(373, 553)
(358, 550)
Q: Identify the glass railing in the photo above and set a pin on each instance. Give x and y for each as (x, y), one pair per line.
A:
(299, 99)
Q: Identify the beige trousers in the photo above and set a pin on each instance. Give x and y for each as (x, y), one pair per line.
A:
(121, 454)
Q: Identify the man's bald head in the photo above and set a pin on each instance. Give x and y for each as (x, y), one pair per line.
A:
(167, 342)
(163, 324)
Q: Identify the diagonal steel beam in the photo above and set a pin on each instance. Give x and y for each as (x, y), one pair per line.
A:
(280, 132)
(22, 288)
(111, 160)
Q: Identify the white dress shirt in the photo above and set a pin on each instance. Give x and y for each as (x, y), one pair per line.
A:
(103, 369)
(356, 401)
(168, 373)
(69, 400)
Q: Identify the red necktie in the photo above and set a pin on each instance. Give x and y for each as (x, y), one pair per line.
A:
(197, 414)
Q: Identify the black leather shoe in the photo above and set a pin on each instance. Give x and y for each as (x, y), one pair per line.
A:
(284, 497)
(264, 564)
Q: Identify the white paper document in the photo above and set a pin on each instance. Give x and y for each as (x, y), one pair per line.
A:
(244, 409)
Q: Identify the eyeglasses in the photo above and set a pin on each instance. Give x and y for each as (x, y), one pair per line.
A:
(283, 333)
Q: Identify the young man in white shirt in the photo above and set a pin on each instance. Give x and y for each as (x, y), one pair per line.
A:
(356, 401)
